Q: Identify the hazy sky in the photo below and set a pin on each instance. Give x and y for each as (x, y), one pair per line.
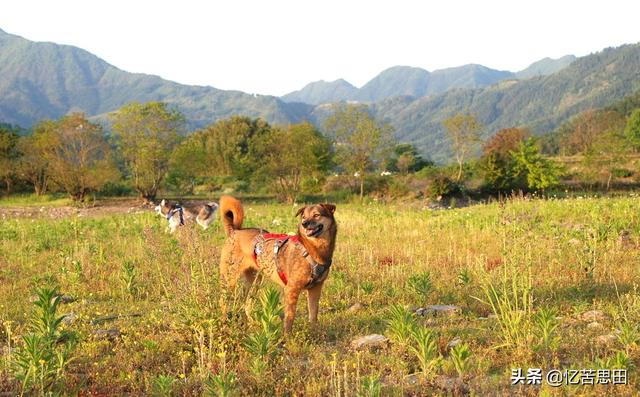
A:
(273, 47)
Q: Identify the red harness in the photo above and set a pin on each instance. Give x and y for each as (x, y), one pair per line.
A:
(318, 271)
(280, 240)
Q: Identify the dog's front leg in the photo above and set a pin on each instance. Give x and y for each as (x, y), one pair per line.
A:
(291, 296)
(313, 301)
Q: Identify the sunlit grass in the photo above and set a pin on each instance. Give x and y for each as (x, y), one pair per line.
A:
(522, 274)
(32, 200)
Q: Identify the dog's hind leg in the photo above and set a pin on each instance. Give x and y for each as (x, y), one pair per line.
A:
(253, 280)
(291, 296)
(313, 302)
(228, 279)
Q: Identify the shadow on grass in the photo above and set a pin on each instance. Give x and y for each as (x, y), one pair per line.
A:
(583, 293)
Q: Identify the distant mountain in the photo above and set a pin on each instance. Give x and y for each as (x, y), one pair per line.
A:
(46, 80)
(541, 103)
(467, 76)
(398, 80)
(322, 92)
(545, 67)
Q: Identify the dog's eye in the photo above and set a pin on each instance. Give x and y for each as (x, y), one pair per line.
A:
(316, 215)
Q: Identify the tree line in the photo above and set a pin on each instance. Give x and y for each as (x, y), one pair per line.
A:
(147, 148)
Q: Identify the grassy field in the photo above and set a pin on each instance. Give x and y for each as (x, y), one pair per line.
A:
(535, 284)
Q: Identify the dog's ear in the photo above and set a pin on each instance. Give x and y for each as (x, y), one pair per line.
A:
(300, 211)
(329, 207)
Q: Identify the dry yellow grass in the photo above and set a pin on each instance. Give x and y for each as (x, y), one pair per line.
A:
(576, 255)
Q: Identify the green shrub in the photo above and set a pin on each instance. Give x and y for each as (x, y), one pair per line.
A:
(460, 355)
(40, 363)
(425, 348)
(444, 187)
(116, 189)
(400, 324)
(621, 173)
(421, 284)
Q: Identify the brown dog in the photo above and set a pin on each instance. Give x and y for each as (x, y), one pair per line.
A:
(294, 262)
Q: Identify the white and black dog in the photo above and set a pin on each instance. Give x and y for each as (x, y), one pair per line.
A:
(178, 215)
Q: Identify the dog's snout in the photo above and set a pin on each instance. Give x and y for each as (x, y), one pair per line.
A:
(306, 223)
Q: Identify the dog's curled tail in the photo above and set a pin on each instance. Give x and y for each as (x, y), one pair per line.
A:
(232, 213)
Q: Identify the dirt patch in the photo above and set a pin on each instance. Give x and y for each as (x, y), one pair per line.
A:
(101, 208)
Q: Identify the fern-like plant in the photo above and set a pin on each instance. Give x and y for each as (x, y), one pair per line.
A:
(39, 363)
(400, 324)
(425, 348)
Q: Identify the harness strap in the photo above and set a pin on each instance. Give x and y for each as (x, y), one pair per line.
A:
(179, 210)
(280, 241)
(276, 248)
(318, 271)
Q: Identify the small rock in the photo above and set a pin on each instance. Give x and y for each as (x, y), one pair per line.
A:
(69, 318)
(595, 326)
(606, 339)
(369, 341)
(594, 315)
(413, 379)
(110, 334)
(66, 299)
(61, 298)
(355, 307)
(454, 342)
(437, 309)
(450, 385)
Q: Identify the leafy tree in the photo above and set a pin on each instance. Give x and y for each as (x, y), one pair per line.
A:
(361, 141)
(219, 150)
(505, 141)
(78, 156)
(627, 105)
(147, 133)
(463, 131)
(584, 130)
(405, 158)
(540, 173)
(497, 165)
(32, 165)
(405, 162)
(606, 153)
(550, 143)
(8, 155)
(188, 164)
(288, 156)
(632, 129)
